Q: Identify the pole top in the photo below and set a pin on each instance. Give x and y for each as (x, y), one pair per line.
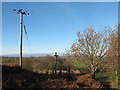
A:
(20, 11)
(55, 54)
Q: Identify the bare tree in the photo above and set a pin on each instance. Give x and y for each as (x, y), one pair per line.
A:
(90, 46)
(112, 52)
(113, 48)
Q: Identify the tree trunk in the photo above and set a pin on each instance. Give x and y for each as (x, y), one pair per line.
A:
(69, 70)
(93, 75)
(60, 72)
(46, 71)
(53, 71)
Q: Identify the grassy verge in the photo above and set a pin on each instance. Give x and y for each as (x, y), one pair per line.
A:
(10, 60)
(108, 79)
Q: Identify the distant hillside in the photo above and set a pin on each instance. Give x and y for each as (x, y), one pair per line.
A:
(28, 55)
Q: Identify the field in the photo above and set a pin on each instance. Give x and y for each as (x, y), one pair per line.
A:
(38, 73)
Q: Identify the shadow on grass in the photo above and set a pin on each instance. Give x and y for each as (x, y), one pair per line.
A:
(15, 77)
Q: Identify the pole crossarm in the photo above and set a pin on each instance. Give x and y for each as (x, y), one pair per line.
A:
(20, 11)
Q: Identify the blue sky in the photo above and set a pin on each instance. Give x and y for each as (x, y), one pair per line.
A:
(60, 0)
(52, 26)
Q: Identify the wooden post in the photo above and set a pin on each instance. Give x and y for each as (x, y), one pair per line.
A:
(55, 61)
(21, 18)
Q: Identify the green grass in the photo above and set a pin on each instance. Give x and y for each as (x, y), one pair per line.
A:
(108, 78)
(79, 64)
(119, 76)
(9, 60)
(29, 63)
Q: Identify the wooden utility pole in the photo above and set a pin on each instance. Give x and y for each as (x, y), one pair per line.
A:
(21, 22)
(21, 18)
